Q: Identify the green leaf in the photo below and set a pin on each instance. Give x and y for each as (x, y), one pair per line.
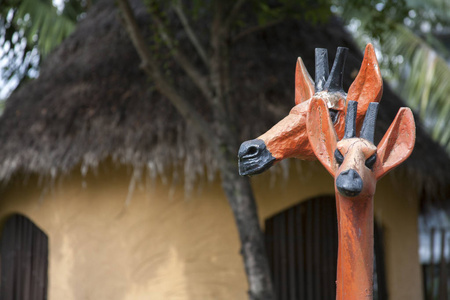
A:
(422, 78)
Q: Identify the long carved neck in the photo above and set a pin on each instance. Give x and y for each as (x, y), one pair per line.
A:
(355, 252)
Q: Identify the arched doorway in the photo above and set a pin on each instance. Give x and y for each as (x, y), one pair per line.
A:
(24, 260)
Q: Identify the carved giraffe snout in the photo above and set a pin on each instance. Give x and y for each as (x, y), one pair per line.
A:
(254, 157)
(349, 183)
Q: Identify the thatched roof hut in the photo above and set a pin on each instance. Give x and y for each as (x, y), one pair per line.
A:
(92, 101)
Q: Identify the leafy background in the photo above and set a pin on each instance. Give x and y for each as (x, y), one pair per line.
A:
(412, 39)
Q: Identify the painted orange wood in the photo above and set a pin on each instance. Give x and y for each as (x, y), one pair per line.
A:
(351, 161)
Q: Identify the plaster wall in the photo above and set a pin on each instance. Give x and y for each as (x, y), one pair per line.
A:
(156, 247)
(105, 244)
(397, 209)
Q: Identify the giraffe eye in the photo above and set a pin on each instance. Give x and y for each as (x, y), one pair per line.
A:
(371, 161)
(338, 156)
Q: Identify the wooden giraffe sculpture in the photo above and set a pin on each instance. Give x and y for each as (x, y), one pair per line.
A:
(288, 137)
(357, 164)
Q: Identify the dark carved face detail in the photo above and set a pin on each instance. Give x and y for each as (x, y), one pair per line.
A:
(254, 158)
(349, 183)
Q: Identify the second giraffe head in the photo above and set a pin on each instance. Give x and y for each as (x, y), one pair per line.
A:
(355, 162)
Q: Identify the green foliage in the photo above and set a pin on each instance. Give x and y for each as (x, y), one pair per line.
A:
(426, 87)
(312, 11)
(407, 34)
(29, 30)
(42, 25)
(373, 14)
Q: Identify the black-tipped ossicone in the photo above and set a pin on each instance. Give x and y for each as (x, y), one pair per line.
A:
(336, 77)
(350, 120)
(368, 128)
(322, 69)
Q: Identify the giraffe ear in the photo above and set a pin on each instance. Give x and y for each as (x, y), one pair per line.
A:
(321, 133)
(397, 144)
(304, 85)
(368, 85)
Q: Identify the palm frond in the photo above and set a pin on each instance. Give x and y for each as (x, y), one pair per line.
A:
(425, 74)
(411, 59)
(45, 21)
(29, 31)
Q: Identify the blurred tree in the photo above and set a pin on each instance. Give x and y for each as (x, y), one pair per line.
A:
(413, 41)
(211, 28)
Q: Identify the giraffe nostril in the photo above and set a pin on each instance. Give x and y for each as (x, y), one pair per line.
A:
(349, 183)
(252, 150)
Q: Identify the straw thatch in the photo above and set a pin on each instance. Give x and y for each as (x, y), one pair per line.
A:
(92, 101)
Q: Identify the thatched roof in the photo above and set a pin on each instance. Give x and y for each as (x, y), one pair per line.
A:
(92, 101)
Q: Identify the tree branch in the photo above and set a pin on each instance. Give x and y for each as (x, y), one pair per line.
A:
(253, 29)
(219, 51)
(199, 80)
(151, 68)
(237, 189)
(233, 13)
(190, 33)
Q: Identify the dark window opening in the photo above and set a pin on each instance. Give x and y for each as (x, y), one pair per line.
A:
(24, 260)
(435, 241)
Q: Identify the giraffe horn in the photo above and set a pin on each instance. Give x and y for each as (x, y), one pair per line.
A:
(322, 69)
(368, 128)
(334, 81)
(350, 120)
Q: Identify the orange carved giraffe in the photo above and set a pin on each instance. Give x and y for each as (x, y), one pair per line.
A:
(288, 138)
(356, 164)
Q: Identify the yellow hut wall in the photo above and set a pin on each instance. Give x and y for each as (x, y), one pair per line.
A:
(161, 245)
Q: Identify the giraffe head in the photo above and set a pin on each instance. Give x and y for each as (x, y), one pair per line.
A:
(288, 138)
(355, 162)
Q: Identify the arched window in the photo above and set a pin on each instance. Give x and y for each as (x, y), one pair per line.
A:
(24, 260)
(302, 247)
